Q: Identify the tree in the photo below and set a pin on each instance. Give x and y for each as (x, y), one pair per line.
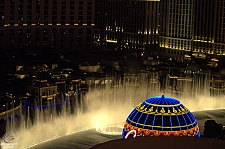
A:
(213, 129)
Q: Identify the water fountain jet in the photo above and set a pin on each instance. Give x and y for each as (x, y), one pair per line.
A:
(106, 106)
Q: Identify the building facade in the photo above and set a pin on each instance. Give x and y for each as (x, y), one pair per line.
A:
(127, 24)
(192, 27)
(44, 24)
(170, 28)
(179, 28)
(42, 91)
(176, 27)
(209, 27)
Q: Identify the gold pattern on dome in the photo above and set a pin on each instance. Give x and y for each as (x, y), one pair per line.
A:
(162, 111)
(151, 109)
(174, 111)
(166, 111)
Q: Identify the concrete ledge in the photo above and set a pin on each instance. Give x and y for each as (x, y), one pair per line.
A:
(163, 143)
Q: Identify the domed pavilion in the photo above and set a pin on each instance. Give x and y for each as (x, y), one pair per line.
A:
(160, 116)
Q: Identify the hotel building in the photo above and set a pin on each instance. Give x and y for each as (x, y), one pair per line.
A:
(44, 24)
(169, 28)
(179, 28)
(209, 27)
(192, 26)
(127, 24)
(176, 27)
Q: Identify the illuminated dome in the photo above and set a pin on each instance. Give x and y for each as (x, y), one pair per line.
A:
(160, 115)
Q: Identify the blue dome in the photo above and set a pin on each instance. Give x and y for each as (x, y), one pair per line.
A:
(161, 115)
(162, 100)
